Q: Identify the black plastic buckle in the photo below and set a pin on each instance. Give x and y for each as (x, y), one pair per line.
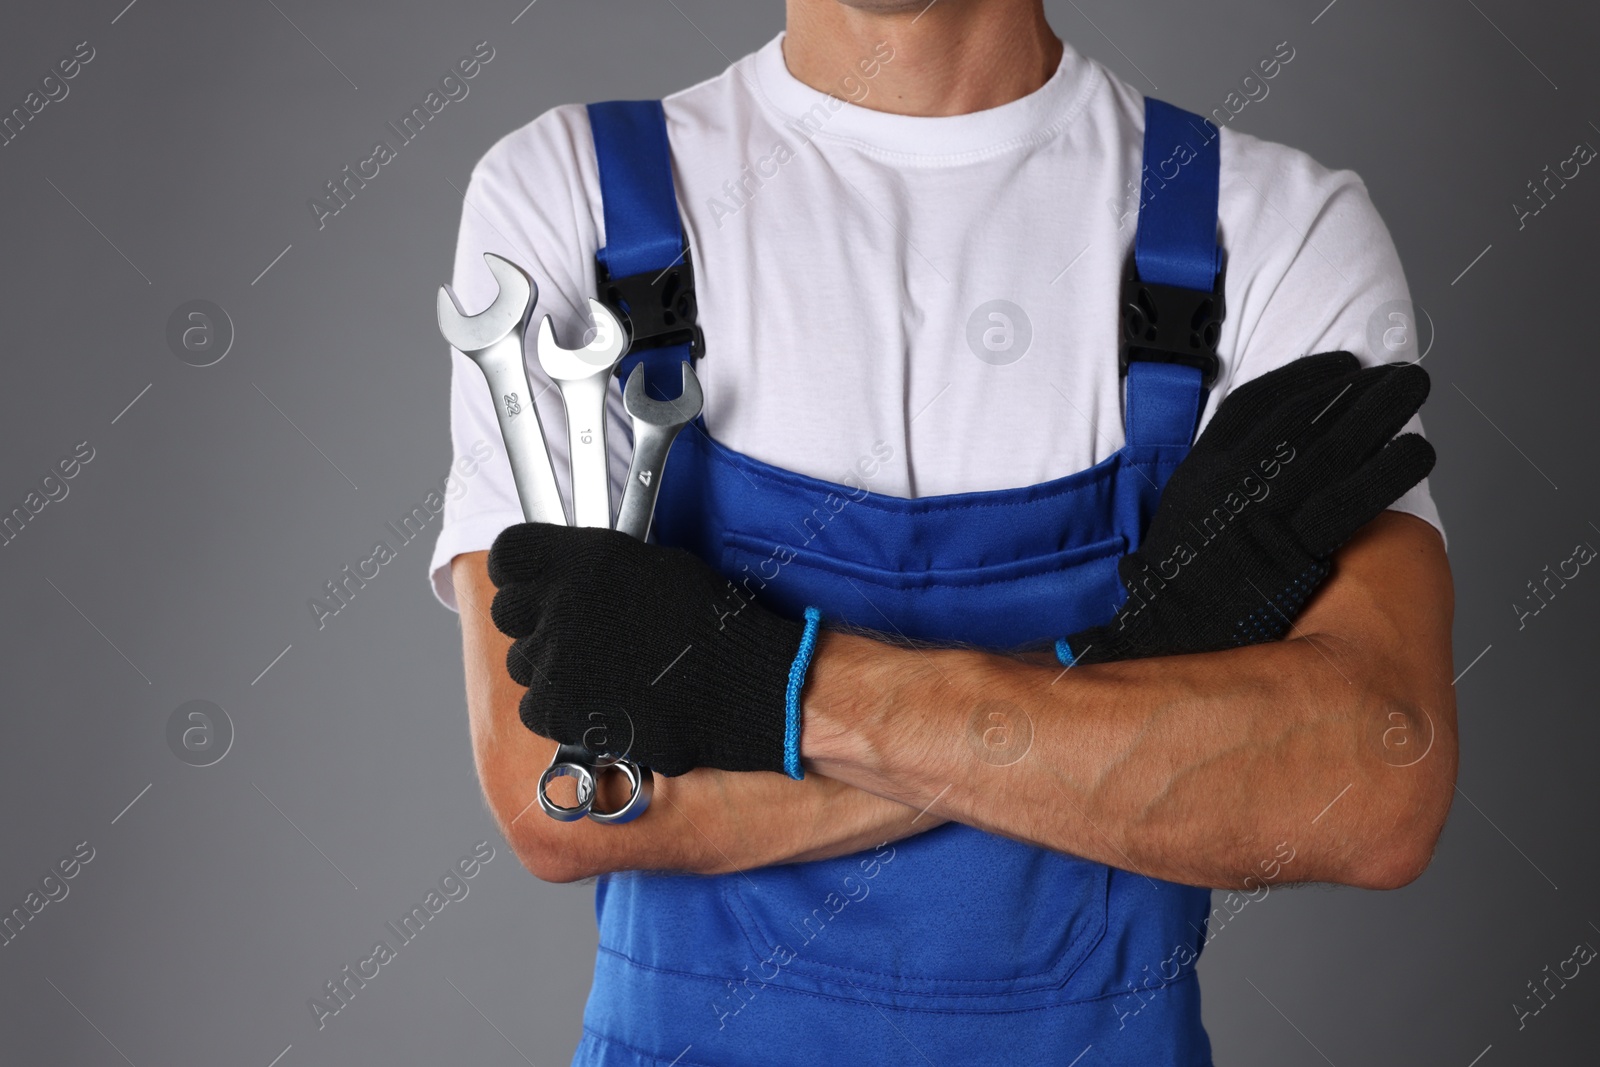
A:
(1169, 324)
(657, 306)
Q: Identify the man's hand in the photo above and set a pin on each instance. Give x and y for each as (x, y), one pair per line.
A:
(1290, 467)
(631, 649)
(703, 822)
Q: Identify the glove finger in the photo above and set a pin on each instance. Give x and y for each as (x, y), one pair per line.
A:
(672, 768)
(1367, 424)
(1243, 408)
(522, 663)
(1290, 432)
(1350, 428)
(521, 552)
(1330, 518)
(548, 708)
(515, 609)
(1306, 416)
(1357, 432)
(533, 711)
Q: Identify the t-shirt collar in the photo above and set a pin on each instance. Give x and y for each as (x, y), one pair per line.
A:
(816, 114)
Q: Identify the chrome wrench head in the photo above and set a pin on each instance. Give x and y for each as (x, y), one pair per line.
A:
(672, 414)
(507, 312)
(599, 356)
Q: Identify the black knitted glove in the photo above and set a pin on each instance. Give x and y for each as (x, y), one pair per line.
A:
(1290, 467)
(630, 649)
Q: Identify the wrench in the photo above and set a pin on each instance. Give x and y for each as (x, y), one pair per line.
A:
(655, 426)
(582, 375)
(493, 340)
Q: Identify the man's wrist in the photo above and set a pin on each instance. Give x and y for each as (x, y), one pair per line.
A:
(831, 705)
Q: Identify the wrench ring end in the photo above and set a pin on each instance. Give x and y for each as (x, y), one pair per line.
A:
(642, 785)
(586, 791)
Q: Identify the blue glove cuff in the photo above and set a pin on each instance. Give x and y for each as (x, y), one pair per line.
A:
(797, 682)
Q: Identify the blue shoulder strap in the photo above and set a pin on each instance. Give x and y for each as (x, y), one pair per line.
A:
(1175, 245)
(644, 266)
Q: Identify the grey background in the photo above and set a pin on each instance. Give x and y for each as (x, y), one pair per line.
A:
(181, 561)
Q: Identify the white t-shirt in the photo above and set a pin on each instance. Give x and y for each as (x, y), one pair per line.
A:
(945, 287)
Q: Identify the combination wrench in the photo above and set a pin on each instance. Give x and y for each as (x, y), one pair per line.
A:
(655, 426)
(582, 375)
(493, 340)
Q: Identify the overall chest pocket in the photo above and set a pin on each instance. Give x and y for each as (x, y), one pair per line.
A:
(952, 919)
(1000, 605)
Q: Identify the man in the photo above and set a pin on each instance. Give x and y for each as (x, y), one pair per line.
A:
(910, 228)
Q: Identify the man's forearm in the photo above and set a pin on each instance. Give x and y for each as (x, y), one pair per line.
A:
(705, 822)
(1191, 768)
(716, 822)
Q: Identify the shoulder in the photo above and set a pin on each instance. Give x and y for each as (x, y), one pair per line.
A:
(1309, 256)
(542, 179)
(1268, 186)
(1271, 195)
(551, 145)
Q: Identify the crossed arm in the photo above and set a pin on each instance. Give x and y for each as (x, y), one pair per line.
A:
(1340, 740)
(707, 821)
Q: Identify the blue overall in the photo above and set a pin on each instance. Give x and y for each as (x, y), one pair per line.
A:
(954, 946)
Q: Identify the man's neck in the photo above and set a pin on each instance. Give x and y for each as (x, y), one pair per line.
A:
(950, 57)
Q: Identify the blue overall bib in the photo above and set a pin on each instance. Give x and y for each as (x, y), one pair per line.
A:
(954, 946)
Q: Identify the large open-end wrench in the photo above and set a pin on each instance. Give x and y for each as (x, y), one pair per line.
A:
(655, 426)
(582, 375)
(493, 340)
